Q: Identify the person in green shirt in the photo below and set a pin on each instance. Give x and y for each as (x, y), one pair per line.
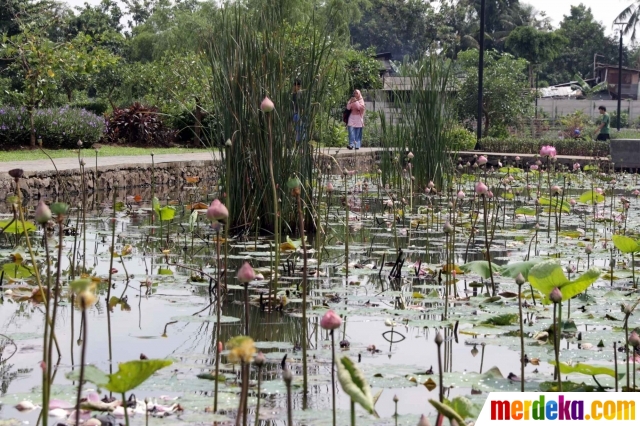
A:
(603, 130)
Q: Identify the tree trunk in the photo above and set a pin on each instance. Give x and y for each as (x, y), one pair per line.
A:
(486, 121)
(69, 92)
(530, 75)
(32, 141)
(198, 115)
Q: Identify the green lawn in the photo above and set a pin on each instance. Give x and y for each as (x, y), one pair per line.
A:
(105, 151)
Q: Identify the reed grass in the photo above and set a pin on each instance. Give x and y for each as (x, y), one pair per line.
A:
(252, 55)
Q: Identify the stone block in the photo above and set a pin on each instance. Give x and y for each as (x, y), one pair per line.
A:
(625, 153)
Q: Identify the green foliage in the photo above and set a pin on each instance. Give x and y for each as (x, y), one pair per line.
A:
(461, 139)
(624, 122)
(547, 275)
(535, 46)
(354, 384)
(625, 244)
(363, 69)
(58, 127)
(589, 370)
(335, 134)
(402, 27)
(480, 267)
(591, 197)
(129, 376)
(506, 97)
(533, 145)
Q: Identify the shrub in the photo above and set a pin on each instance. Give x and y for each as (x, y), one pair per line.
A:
(96, 106)
(532, 146)
(613, 121)
(335, 134)
(138, 125)
(461, 139)
(58, 127)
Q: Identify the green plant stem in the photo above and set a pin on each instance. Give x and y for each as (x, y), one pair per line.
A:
(274, 189)
(521, 339)
(615, 364)
(109, 283)
(83, 355)
(626, 346)
(304, 301)
(440, 374)
(126, 409)
(353, 413)
(258, 396)
(46, 372)
(486, 244)
(346, 230)
(218, 308)
(333, 377)
(556, 339)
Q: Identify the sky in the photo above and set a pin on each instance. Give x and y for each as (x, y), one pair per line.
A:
(605, 11)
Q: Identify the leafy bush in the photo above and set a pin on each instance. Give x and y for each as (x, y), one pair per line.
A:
(532, 146)
(96, 106)
(613, 122)
(336, 134)
(137, 125)
(461, 139)
(58, 127)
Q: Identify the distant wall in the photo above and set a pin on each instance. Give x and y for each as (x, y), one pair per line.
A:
(560, 107)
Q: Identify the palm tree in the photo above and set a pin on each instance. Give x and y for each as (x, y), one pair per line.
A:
(630, 15)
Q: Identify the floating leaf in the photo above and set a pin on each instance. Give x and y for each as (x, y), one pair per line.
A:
(512, 270)
(555, 204)
(15, 227)
(354, 384)
(167, 213)
(504, 319)
(16, 271)
(132, 374)
(164, 271)
(589, 370)
(527, 211)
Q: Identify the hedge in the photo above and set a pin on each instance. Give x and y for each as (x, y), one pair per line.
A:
(532, 146)
(58, 127)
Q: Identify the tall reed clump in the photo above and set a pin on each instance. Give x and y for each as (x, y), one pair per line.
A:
(425, 119)
(253, 55)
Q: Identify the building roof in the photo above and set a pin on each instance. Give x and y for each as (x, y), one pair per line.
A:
(615, 67)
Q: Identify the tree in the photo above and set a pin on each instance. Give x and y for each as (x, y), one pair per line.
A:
(585, 38)
(506, 97)
(630, 15)
(44, 66)
(537, 47)
(401, 27)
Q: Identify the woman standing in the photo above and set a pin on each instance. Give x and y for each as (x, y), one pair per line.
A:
(356, 120)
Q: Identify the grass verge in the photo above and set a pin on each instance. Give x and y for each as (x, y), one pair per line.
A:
(105, 151)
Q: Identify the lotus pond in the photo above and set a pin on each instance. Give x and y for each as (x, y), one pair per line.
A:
(423, 315)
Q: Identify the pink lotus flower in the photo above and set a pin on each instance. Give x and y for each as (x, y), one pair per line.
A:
(599, 191)
(555, 190)
(534, 167)
(572, 202)
(636, 192)
(489, 194)
(330, 320)
(482, 160)
(329, 187)
(246, 273)
(556, 295)
(42, 213)
(576, 167)
(267, 105)
(481, 188)
(461, 195)
(548, 151)
(517, 158)
(217, 212)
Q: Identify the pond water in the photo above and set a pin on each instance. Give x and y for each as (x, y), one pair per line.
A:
(163, 307)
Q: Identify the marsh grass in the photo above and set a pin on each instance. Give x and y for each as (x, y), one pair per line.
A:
(250, 56)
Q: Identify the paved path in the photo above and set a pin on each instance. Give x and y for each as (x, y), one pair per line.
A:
(71, 163)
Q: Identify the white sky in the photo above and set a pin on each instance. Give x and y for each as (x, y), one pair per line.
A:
(604, 11)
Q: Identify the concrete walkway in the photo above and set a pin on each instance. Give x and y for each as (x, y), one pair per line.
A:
(71, 163)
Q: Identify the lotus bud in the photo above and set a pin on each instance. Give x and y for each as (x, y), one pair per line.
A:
(396, 399)
(267, 105)
(423, 421)
(572, 202)
(555, 190)
(287, 376)
(379, 171)
(59, 209)
(450, 205)
(489, 194)
(636, 192)
(460, 167)
(520, 279)
(626, 309)
(228, 143)
(482, 160)
(517, 158)
(634, 339)
(538, 163)
(447, 228)
(431, 184)
(427, 190)
(536, 226)
(86, 299)
(474, 351)
(217, 212)
(533, 167)
(330, 320)
(329, 187)
(42, 213)
(588, 249)
(259, 360)
(481, 188)
(410, 155)
(576, 167)
(439, 339)
(25, 406)
(246, 273)
(556, 295)
(460, 195)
